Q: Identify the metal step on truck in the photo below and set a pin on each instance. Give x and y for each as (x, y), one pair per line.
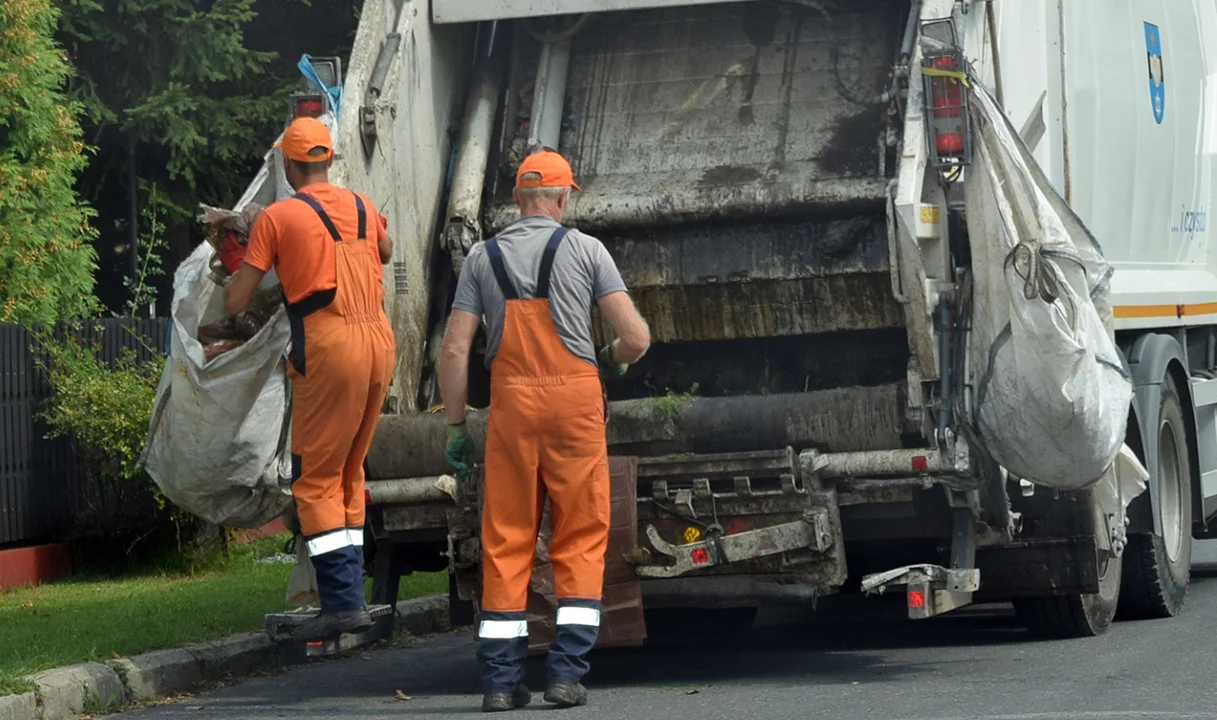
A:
(789, 189)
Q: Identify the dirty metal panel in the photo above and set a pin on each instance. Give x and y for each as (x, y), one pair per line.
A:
(766, 309)
(722, 464)
(1036, 568)
(726, 111)
(400, 518)
(770, 249)
(458, 11)
(759, 279)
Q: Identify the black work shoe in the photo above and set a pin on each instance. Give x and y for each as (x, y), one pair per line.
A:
(504, 701)
(566, 694)
(327, 625)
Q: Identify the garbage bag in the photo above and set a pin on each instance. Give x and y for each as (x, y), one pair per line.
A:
(218, 444)
(1051, 392)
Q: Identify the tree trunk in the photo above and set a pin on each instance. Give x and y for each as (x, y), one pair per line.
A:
(133, 204)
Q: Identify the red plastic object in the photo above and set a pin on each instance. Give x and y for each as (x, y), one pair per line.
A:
(700, 556)
(921, 463)
(916, 599)
(232, 252)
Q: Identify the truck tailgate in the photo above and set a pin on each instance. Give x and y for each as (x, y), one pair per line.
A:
(729, 110)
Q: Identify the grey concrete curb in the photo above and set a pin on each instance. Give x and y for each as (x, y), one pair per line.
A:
(66, 692)
(18, 707)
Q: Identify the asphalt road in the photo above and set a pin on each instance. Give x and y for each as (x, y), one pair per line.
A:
(863, 664)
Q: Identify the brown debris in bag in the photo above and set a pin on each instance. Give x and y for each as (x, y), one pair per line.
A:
(235, 330)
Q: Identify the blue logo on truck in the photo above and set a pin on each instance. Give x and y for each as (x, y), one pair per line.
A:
(1157, 76)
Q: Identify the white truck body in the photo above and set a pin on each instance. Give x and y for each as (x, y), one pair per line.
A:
(687, 121)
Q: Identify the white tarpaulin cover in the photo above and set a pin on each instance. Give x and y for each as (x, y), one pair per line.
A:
(1051, 395)
(218, 442)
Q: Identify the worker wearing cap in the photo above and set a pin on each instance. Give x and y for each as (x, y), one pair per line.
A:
(536, 283)
(327, 245)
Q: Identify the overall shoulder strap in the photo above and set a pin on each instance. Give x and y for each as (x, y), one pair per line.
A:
(495, 255)
(547, 263)
(316, 206)
(363, 217)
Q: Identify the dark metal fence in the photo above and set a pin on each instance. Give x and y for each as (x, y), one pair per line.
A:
(41, 481)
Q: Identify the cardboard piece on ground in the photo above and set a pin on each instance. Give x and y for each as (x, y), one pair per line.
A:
(621, 619)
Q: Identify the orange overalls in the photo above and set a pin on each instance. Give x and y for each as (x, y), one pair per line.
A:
(546, 437)
(340, 365)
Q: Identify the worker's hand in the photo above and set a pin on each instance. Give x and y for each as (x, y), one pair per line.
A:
(610, 370)
(460, 451)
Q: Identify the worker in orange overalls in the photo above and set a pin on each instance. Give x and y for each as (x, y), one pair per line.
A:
(536, 283)
(327, 245)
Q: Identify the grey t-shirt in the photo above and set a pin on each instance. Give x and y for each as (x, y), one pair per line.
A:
(583, 272)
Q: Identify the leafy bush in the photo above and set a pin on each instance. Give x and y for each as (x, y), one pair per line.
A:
(46, 254)
(106, 411)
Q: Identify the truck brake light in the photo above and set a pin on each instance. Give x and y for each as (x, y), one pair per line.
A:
(308, 106)
(944, 72)
(947, 102)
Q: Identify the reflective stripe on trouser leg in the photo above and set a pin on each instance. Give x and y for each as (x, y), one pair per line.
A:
(578, 627)
(339, 565)
(502, 649)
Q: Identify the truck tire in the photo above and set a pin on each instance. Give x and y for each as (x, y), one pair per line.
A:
(1078, 615)
(1157, 569)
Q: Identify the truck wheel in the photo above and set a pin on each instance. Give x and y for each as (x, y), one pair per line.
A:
(1157, 569)
(1078, 615)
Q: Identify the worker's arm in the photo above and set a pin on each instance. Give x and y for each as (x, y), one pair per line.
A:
(384, 243)
(239, 291)
(386, 249)
(453, 367)
(633, 335)
(259, 258)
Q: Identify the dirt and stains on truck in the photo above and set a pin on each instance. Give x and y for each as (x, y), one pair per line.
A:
(785, 195)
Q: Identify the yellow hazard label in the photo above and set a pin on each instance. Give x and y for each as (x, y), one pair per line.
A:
(929, 214)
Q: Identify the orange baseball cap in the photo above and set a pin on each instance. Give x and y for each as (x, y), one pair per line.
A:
(303, 136)
(552, 167)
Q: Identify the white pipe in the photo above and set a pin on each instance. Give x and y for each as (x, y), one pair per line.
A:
(549, 96)
(411, 490)
(469, 176)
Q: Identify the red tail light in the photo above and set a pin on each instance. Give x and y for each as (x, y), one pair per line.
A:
(947, 102)
(309, 106)
(948, 93)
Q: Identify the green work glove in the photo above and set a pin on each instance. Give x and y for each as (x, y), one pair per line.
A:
(460, 451)
(610, 370)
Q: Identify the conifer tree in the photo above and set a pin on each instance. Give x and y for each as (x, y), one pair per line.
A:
(47, 257)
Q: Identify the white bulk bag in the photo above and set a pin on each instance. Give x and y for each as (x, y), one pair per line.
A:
(218, 443)
(1051, 395)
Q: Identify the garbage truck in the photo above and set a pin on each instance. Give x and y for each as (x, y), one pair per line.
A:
(930, 286)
